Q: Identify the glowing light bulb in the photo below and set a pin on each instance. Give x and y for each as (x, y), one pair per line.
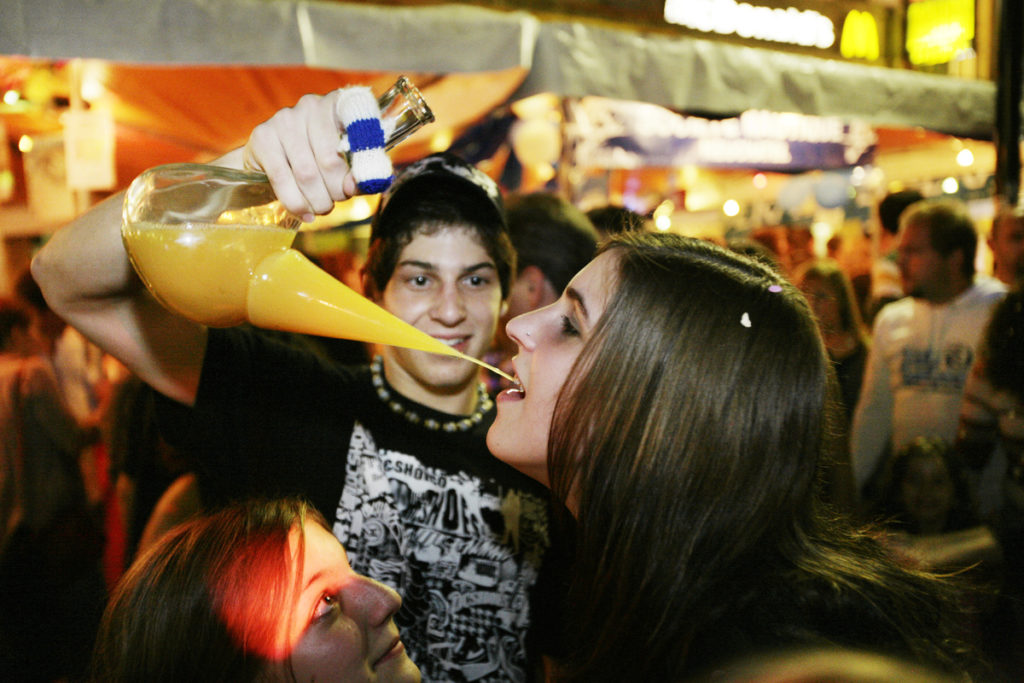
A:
(441, 140)
(360, 208)
(665, 208)
(731, 207)
(965, 157)
(950, 185)
(92, 90)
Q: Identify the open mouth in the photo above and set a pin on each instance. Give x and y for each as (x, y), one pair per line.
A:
(516, 390)
(458, 343)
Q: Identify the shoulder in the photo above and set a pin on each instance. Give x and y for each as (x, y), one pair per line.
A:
(895, 314)
(985, 291)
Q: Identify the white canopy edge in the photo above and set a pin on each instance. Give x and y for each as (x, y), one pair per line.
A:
(718, 78)
(434, 39)
(568, 59)
(338, 35)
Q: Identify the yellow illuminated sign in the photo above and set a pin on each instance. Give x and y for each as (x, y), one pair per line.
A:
(807, 28)
(938, 31)
(859, 39)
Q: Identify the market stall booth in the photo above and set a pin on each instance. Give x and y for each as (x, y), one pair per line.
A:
(601, 112)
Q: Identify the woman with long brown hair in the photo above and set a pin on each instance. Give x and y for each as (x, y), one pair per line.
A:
(677, 398)
(830, 293)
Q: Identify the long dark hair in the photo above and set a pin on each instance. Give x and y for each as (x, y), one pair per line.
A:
(829, 271)
(1003, 346)
(687, 441)
(206, 603)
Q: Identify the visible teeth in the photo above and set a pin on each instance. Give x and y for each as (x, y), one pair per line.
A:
(453, 342)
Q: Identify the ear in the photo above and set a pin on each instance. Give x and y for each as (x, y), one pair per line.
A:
(369, 290)
(534, 281)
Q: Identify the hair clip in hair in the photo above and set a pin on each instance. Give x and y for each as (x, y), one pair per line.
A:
(745, 319)
(775, 289)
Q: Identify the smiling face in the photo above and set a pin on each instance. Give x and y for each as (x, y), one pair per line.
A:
(342, 626)
(446, 285)
(549, 340)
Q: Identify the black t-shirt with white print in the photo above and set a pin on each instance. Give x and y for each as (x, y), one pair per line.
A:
(460, 535)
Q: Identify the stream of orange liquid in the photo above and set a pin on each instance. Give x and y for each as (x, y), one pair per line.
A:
(223, 274)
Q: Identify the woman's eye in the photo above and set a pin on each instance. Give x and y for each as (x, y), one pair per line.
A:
(418, 280)
(568, 328)
(327, 605)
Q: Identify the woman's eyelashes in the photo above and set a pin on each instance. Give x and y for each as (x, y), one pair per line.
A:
(568, 328)
(326, 607)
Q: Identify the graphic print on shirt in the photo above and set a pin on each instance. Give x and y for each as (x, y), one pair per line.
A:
(462, 551)
(945, 370)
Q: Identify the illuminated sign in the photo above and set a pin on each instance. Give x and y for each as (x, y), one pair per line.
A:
(629, 135)
(939, 31)
(728, 17)
(859, 39)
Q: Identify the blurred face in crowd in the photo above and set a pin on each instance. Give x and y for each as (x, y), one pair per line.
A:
(927, 492)
(824, 303)
(926, 274)
(549, 340)
(1007, 244)
(343, 628)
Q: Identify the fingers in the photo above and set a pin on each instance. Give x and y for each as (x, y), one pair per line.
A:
(297, 148)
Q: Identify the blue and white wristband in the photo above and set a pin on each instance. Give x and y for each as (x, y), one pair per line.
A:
(364, 139)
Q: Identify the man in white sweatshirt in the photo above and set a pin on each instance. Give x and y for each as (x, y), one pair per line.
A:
(923, 344)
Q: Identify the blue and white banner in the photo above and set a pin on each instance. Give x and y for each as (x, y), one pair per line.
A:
(607, 133)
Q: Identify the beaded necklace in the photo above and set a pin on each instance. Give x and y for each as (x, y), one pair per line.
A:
(483, 404)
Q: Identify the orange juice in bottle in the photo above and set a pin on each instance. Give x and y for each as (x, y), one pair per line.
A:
(202, 271)
(221, 263)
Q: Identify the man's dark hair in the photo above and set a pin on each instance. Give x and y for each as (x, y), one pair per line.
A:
(950, 229)
(892, 207)
(550, 233)
(612, 220)
(438, 191)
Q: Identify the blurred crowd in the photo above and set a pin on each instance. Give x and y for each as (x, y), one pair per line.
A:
(928, 436)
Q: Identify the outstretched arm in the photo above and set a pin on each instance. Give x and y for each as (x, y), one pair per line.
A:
(87, 279)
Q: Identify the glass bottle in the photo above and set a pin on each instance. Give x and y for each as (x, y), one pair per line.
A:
(195, 233)
(213, 244)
